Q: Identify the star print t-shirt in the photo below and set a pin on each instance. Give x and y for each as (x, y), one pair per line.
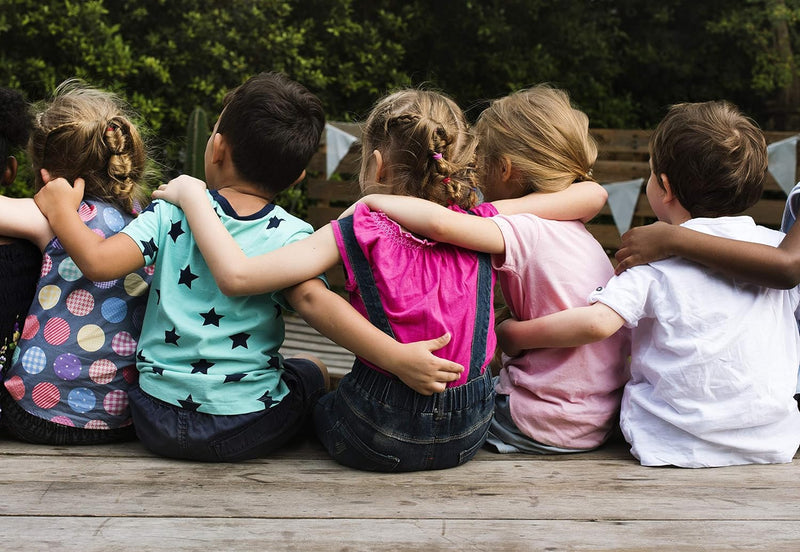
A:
(200, 349)
(75, 359)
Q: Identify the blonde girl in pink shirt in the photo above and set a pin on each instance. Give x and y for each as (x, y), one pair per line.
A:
(548, 400)
(416, 143)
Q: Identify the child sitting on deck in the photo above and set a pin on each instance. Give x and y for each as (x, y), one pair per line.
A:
(415, 143)
(20, 260)
(548, 400)
(212, 384)
(713, 358)
(72, 369)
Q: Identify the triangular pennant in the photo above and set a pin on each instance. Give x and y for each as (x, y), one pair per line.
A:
(622, 199)
(337, 144)
(782, 157)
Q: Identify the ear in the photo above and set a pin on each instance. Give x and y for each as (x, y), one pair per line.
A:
(669, 195)
(219, 147)
(299, 178)
(505, 168)
(10, 172)
(374, 170)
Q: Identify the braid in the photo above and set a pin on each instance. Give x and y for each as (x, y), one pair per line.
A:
(427, 147)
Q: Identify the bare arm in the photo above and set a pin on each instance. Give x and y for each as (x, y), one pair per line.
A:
(579, 201)
(414, 363)
(99, 259)
(234, 272)
(439, 223)
(776, 267)
(567, 328)
(21, 218)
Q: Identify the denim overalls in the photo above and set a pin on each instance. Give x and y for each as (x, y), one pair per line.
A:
(375, 422)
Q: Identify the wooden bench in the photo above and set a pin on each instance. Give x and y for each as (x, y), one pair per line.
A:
(121, 497)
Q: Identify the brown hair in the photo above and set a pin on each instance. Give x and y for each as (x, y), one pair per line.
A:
(426, 146)
(84, 132)
(714, 156)
(546, 140)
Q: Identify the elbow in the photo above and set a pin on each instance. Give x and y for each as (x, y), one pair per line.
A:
(787, 275)
(231, 285)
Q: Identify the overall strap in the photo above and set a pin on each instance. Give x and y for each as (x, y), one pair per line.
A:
(483, 308)
(364, 277)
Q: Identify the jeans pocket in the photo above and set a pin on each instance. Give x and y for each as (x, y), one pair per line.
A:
(472, 450)
(347, 448)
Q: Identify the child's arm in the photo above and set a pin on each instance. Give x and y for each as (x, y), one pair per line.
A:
(332, 316)
(99, 259)
(567, 328)
(579, 201)
(21, 218)
(760, 264)
(234, 272)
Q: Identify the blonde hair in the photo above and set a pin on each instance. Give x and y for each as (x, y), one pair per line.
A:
(426, 145)
(546, 140)
(84, 132)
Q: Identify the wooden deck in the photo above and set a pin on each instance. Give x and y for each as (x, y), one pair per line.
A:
(121, 497)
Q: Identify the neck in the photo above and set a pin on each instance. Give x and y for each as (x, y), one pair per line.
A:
(245, 197)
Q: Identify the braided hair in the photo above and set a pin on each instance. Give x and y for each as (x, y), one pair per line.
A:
(85, 133)
(427, 147)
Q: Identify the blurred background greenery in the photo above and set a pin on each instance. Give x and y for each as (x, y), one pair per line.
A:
(623, 61)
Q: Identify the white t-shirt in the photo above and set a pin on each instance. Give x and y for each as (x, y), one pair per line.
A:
(714, 360)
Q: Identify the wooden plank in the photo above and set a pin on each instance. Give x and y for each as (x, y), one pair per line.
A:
(190, 534)
(618, 490)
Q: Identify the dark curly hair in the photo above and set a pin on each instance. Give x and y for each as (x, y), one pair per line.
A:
(15, 122)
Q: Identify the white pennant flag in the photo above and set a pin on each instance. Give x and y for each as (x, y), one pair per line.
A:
(622, 199)
(337, 144)
(783, 162)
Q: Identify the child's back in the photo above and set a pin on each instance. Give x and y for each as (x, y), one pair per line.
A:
(75, 361)
(714, 360)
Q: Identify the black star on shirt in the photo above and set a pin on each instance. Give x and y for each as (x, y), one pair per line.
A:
(175, 230)
(239, 339)
(187, 277)
(278, 311)
(159, 371)
(158, 299)
(274, 362)
(140, 356)
(171, 336)
(148, 247)
(201, 366)
(211, 318)
(233, 377)
(266, 399)
(274, 222)
(189, 404)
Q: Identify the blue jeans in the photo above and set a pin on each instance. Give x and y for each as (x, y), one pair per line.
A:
(172, 431)
(377, 423)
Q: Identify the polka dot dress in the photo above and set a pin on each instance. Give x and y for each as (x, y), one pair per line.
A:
(76, 356)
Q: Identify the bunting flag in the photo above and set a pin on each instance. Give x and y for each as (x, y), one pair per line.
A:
(337, 143)
(782, 157)
(622, 199)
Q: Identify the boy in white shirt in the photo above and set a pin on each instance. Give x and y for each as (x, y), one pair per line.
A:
(714, 359)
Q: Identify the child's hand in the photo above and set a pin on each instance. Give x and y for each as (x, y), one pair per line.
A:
(179, 189)
(58, 194)
(644, 244)
(423, 371)
(504, 332)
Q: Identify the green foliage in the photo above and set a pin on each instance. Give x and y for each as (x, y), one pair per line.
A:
(623, 61)
(197, 132)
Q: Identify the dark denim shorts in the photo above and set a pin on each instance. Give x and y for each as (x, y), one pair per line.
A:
(24, 426)
(172, 431)
(376, 423)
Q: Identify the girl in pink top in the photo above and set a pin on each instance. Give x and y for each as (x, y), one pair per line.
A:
(381, 417)
(549, 400)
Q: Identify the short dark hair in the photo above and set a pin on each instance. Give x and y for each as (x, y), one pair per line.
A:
(714, 156)
(15, 122)
(273, 127)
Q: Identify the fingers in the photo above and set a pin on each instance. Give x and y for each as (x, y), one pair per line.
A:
(45, 175)
(439, 342)
(79, 185)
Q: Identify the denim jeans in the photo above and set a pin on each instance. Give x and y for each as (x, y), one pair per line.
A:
(26, 427)
(169, 430)
(377, 423)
